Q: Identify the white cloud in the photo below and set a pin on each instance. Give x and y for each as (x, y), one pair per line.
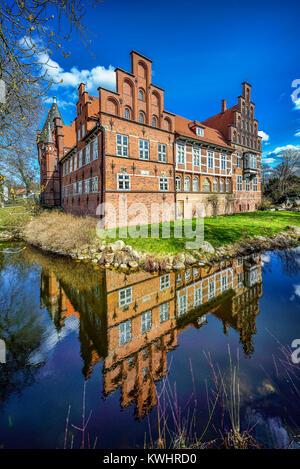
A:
(265, 137)
(297, 290)
(97, 76)
(297, 134)
(268, 160)
(279, 150)
(265, 259)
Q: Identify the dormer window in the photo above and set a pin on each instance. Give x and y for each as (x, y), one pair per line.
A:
(199, 131)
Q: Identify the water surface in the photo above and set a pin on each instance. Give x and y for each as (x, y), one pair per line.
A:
(124, 338)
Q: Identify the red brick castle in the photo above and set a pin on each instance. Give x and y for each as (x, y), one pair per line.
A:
(124, 147)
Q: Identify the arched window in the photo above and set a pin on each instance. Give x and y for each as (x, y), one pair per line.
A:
(141, 118)
(195, 184)
(186, 183)
(227, 186)
(215, 185)
(221, 186)
(206, 187)
(127, 113)
(178, 183)
(154, 121)
(141, 95)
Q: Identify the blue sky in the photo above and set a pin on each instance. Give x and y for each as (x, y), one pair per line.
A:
(201, 53)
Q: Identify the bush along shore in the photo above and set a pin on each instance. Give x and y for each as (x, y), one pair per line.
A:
(75, 237)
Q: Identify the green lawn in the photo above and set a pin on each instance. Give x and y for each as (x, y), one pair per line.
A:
(219, 231)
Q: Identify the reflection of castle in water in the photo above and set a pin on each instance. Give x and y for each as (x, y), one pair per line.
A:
(132, 321)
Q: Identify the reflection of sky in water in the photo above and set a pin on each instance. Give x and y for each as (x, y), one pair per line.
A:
(35, 417)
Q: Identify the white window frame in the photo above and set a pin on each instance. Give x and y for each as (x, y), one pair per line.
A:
(74, 188)
(143, 149)
(75, 162)
(163, 184)
(125, 296)
(182, 304)
(125, 332)
(79, 187)
(199, 132)
(196, 156)
(210, 160)
(215, 185)
(223, 162)
(122, 145)
(164, 281)
(247, 184)
(162, 152)
(187, 180)
(95, 148)
(95, 184)
(80, 159)
(193, 183)
(87, 154)
(254, 184)
(87, 186)
(178, 183)
(239, 183)
(164, 312)
(180, 153)
(146, 321)
(123, 179)
(197, 296)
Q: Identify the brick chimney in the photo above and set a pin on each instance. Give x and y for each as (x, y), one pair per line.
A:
(224, 105)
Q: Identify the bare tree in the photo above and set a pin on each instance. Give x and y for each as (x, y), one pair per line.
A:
(286, 170)
(30, 31)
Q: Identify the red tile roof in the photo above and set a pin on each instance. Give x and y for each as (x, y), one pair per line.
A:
(222, 120)
(182, 127)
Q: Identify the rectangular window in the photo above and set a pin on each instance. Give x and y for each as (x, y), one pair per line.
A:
(71, 165)
(182, 304)
(164, 281)
(163, 184)
(180, 153)
(125, 296)
(247, 184)
(223, 162)
(87, 186)
(66, 191)
(80, 187)
(87, 154)
(239, 160)
(254, 185)
(123, 182)
(78, 134)
(122, 145)
(75, 162)
(125, 332)
(95, 184)
(95, 149)
(178, 183)
(82, 130)
(162, 153)
(210, 157)
(196, 156)
(198, 296)
(74, 188)
(144, 149)
(79, 159)
(240, 279)
(64, 169)
(239, 183)
(224, 283)
(211, 289)
(146, 321)
(164, 312)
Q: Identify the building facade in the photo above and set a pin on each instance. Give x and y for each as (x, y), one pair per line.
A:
(126, 153)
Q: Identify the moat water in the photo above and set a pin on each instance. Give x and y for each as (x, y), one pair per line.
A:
(128, 344)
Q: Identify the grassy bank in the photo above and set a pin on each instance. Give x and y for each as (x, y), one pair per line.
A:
(219, 231)
(56, 231)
